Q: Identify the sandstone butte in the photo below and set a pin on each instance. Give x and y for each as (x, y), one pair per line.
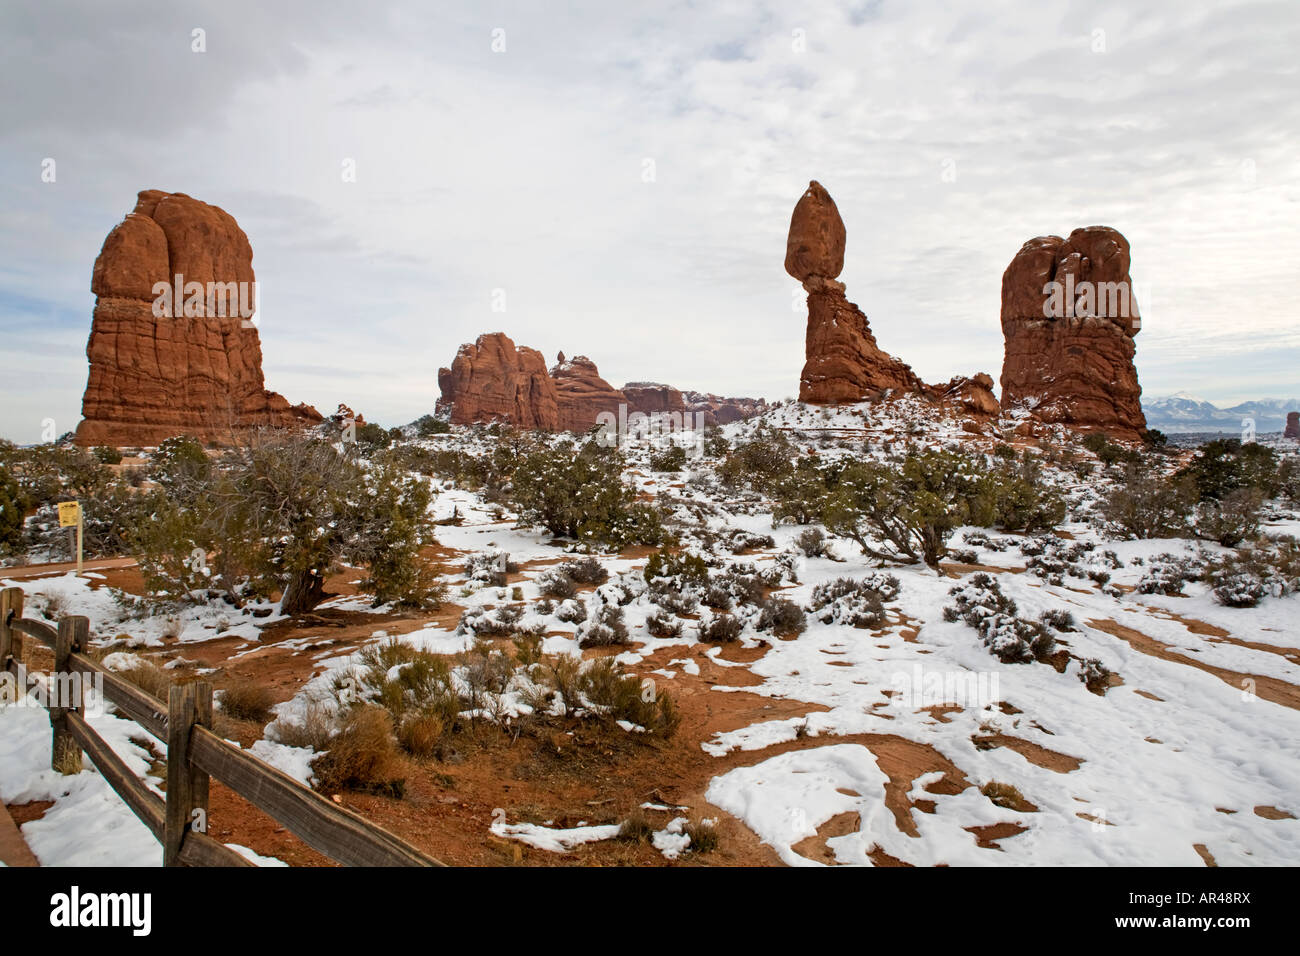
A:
(1292, 425)
(1069, 318)
(843, 364)
(492, 379)
(154, 377)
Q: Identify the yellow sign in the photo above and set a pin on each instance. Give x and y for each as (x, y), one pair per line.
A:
(69, 514)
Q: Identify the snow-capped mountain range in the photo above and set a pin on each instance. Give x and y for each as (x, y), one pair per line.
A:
(1182, 412)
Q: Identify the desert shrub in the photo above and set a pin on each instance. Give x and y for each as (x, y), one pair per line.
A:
(572, 611)
(858, 603)
(362, 755)
(490, 567)
(420, 732)
(1003, 795)
(503, 621)
(636, 828)
(612, 693)
(1270, 568)
(760, 462)
(660, 624)
(586, 571)
(556, 583)
(1288, 479)
(982, 605)
(1103, 448)
(13, 511)
(278, 513)
(605, 627)
(703, 834)
(1167, 573)
(1228, 464)
(1004, 451)
(671, 596)
(912, 509)
(580, 493)
(736, 540)
(1095, 675)
(1058, 619)
(1145, 505)
(107, 455)
(811, 542)
(427, 425)
(245, 700)
(1020, 498)
(720, 629)
(684, 568)
(672, 458)
(143, 673)
(1231, 519)
(312, 732)
(781, 616)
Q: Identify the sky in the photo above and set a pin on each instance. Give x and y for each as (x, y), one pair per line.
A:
(616, 180)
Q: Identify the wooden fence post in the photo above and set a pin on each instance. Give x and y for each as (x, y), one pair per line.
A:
(65, 692)
(188, 705)
(11, 602)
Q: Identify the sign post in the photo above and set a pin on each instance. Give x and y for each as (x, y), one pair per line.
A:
(69, 517)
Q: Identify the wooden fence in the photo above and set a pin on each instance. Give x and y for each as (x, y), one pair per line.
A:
(194, 755)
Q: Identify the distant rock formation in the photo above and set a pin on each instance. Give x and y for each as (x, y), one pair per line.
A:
(581, 394)
(495, 380)
(196, 371)
(718, 410)
(1069, 318)
(1292, 425)
(650, 398)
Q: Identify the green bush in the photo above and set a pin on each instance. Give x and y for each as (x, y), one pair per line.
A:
(912, 508)
(1227, 464)
(580, 493)
(13, 511)
(1147, 505)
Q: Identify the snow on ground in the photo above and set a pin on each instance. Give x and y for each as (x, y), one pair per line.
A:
(1171, 756)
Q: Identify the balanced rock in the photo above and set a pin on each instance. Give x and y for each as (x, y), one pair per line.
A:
(1068, 318)
(495, 380)
(184, 367)
(1292, 425)
(843, 363)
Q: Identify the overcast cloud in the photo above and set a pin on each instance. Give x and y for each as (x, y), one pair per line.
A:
(524, 170)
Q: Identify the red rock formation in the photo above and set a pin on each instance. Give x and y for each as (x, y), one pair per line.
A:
(581, 394)
(493, 380)
(974, 394)
(154, 377)
(652, 398)
(1069, 318)
(843, 362)
(718, 410)
(1292, 425)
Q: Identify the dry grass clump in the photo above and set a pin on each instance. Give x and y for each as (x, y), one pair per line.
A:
(636, 828)
(147, 676)
(1004, 795)
(363, 755)
(703, 834)
(242, 700)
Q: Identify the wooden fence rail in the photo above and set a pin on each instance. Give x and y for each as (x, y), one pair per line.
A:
(194, 755)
